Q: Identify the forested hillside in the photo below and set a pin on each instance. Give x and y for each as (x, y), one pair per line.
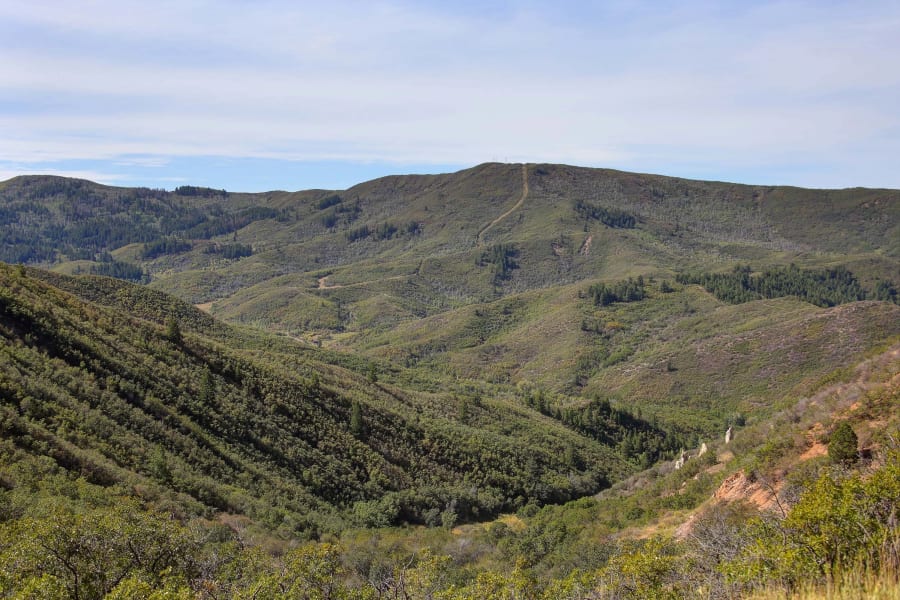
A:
(825, 464)
(358, 269)
(162, 396)
(468, 385)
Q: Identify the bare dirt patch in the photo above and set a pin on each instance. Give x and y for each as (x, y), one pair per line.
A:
(814, 451)
(586, 246)
(739, 487)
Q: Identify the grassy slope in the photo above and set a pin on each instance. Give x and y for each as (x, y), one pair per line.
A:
(683, 356)
(682, 224)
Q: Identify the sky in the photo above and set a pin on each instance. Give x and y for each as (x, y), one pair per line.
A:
(277, 94)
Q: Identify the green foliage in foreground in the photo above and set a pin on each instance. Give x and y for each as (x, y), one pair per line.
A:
(842, 522)
(66, 538)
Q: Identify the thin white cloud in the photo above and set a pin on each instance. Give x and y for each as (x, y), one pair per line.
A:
(408, 83)
(155, 162)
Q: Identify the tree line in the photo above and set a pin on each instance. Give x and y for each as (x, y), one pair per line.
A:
(610, 217)
(629, 290)
(822, 287)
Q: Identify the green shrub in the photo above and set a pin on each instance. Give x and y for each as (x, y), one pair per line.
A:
(843, 445)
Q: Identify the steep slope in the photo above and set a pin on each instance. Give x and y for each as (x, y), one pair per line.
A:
(241, 422)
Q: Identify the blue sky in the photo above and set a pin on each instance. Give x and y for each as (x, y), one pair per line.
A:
(252, 96)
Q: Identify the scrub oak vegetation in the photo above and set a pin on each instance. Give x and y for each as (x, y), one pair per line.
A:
(512, 381)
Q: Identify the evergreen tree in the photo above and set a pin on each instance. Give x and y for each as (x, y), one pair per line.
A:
(356, 420)
(843, 446)
(159, 466)
(207, 387)
(173, 330)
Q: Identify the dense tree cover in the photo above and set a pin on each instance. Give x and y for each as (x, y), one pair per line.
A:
(230, 222)
(630, 290)
(164, 246)
(43, 219)
(203, 192)
(501, 258)
(636, 439)
(287, 441)
(886, 291)
(358, 233)
(20, 250)
(382, 231)
(610, 217)
(120, 270)
(340, 213)
(54, 214)
(328, 201)
(330, 220)
(230, 251)
(822, 287)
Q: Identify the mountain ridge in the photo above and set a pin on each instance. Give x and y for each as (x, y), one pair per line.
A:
(358, 270)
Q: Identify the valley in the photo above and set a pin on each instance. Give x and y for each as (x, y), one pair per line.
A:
(474, 381)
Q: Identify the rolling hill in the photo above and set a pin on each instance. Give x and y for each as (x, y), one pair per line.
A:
(251, 370)
(484, 275)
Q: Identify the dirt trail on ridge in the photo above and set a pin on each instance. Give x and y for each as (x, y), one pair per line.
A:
(480, 238)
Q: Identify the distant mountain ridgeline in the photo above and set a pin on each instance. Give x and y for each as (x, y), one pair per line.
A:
(45, 219)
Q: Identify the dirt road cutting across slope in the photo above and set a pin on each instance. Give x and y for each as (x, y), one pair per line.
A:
(480, 238)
